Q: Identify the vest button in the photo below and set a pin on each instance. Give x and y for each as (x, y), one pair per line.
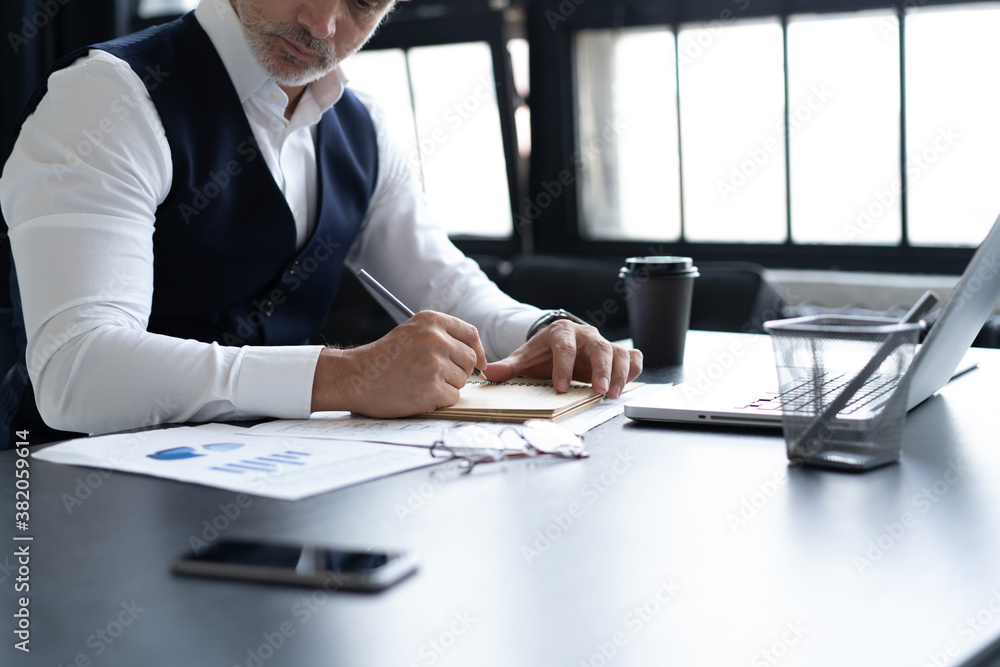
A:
(267, 308)
(293, 269)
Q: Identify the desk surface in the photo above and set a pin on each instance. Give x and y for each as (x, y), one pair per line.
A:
(669, 546)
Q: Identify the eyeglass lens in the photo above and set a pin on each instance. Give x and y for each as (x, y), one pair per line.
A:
(550, 438)
(471, 441)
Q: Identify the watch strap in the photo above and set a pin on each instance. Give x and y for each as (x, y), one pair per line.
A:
(551, 316)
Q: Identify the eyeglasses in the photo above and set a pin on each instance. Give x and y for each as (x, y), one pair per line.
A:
(474, 444)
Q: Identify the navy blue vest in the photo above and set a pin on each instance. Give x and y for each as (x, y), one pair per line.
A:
(226, 268)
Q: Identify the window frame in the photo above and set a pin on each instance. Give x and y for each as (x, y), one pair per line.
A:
(417, 25)
(557, 230)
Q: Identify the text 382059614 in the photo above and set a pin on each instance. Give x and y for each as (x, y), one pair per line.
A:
(22, 543)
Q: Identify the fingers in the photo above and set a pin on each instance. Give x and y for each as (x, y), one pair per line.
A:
(501, 371)
(611, 365)
(417, 367)
(603, 364)
(533, 359)
(459, 340)
(621, 362)
(561, 337)
(635, 364)
(563, 351)
(468, 335)
(576, 348)
(627, 366)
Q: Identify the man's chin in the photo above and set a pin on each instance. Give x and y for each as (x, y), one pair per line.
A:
(294, 80)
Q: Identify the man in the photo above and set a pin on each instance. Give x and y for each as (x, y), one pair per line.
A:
(226, 145)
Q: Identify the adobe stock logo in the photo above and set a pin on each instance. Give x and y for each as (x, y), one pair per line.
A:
(757, 157)
(218, 181)
(580, 160)
(455, 116)
(885, 200)
(119, 109)
(563, 11)
(30, 25)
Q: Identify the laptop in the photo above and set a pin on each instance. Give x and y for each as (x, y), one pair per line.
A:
(750, 397)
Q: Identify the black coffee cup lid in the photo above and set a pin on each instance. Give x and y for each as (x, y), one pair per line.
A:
(659, 265)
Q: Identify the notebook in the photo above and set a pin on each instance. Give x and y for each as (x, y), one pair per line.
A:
(748, 398)
(519, 400)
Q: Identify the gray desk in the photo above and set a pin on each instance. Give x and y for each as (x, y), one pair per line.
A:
(669, 546)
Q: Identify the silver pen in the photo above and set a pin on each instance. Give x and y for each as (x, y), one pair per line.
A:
(391, 299)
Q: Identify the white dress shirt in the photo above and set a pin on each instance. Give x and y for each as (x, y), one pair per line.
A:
(80, 193)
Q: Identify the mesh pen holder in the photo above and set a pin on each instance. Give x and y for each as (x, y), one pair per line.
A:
(844, 387)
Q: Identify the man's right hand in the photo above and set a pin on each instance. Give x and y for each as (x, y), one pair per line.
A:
(417, 367)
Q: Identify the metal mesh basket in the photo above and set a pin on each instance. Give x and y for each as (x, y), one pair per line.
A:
(818, 358)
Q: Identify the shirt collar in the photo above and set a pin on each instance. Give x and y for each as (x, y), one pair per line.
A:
(225, 31)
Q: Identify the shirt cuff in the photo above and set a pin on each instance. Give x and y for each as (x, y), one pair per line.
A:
(276, 382)
(520, 325)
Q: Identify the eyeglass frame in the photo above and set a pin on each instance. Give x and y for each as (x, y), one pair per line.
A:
(488, 454)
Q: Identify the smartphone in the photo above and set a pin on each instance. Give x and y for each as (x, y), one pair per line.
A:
(299, 565)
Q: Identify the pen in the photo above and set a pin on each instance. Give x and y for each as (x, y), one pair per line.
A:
(366, 278)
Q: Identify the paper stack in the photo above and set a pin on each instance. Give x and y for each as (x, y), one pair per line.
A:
(518, 400)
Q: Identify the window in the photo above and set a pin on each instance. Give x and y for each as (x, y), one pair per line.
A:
(152, 8)
(859, 137)
(629, 177)
(721, 98)
(844, 129)
(952, 56)
(442, 103)
(731, 101)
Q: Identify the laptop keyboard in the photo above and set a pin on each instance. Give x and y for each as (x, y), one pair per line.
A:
(813, 393)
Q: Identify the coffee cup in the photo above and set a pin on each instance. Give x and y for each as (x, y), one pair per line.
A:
(658, 292)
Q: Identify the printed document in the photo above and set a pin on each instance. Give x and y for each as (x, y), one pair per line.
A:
(226, 457)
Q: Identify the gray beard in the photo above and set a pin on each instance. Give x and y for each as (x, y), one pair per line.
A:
(259, 47)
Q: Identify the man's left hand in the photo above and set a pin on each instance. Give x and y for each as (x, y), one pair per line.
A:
(567, 351)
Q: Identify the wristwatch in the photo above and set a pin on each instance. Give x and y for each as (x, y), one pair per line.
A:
(550, 317)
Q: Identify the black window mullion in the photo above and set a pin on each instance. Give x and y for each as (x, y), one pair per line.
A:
(680, 140)
(904, 185)
(413, 110)
(788, 134)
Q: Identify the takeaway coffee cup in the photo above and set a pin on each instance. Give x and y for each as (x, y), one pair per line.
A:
(658, 293)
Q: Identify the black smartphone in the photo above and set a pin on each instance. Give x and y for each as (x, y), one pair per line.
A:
(299, 564)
